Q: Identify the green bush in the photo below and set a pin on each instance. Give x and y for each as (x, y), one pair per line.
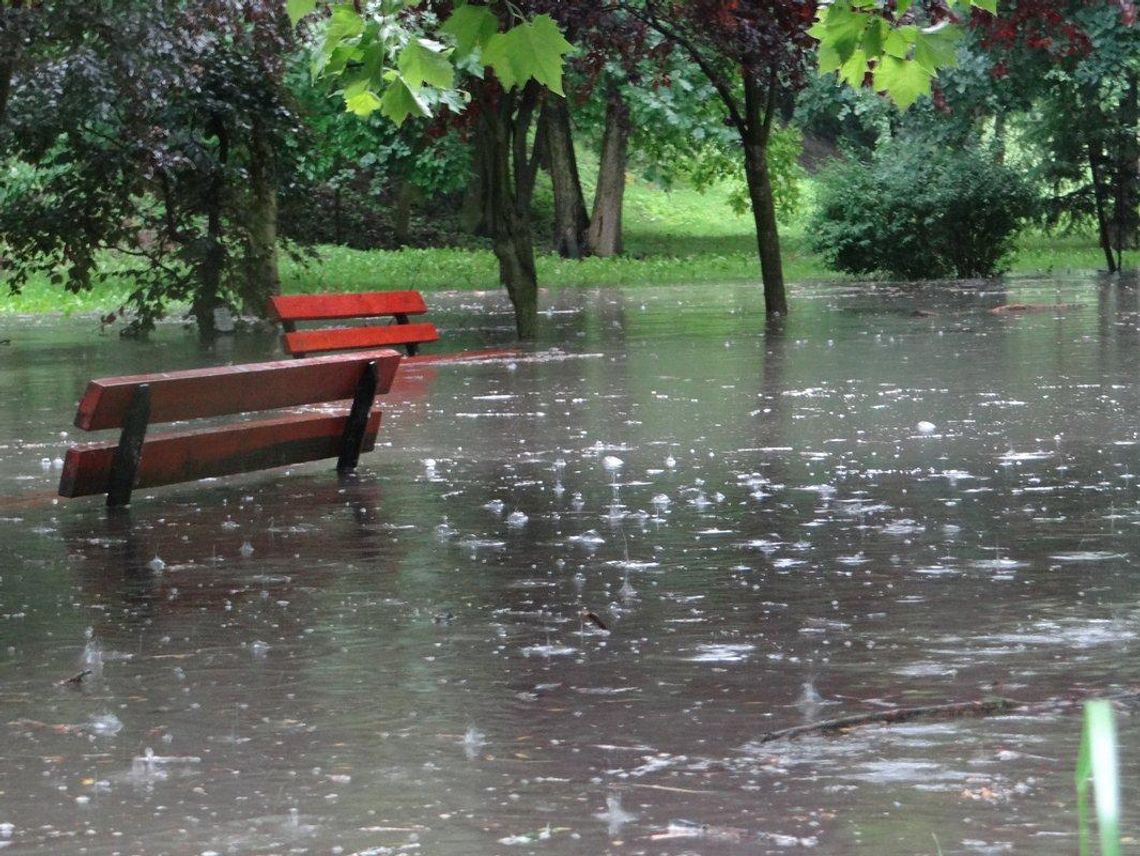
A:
(918, 211)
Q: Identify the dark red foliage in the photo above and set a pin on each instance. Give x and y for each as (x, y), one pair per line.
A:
(1036, 25)
(765, 35)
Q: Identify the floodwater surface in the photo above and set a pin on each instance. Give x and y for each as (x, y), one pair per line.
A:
(559, 606)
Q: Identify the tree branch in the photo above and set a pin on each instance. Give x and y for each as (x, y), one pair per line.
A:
(956, 710)
(653, 20)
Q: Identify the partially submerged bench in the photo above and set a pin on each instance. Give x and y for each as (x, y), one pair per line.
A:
(133, 403)
(398, 305)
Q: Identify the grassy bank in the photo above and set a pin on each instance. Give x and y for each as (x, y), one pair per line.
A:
(679, 236)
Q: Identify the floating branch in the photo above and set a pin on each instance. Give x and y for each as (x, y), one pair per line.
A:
(956, 710)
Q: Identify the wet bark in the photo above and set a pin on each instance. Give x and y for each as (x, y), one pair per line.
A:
(524, 163)
(505, 193)
(211, 263)
(262, 278)
(402, 221)
(759, 108)
(7, 69)
(9, 50)
(472, 217)
(1128, 172)
(999, 137)
(1096, 157)
(570, 218)
(604, 235)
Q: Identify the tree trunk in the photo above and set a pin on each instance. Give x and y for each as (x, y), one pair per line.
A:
(406, 195)
(212, 262)
(999, 137)
(472, 213)
(759, 107)
(1095, 163)
(507, 218)
(570, 218)
(262, 277)
(7, 69)
(604, 238)
(1128, 172)
(10, 50)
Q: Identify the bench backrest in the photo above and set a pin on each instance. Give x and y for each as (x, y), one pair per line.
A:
(134, 402)
(293, 308)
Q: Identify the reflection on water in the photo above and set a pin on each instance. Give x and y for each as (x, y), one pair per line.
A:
(862, 508)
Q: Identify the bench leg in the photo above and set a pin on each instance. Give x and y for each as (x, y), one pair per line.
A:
(410, 347)
(356, 424)
(128, 454)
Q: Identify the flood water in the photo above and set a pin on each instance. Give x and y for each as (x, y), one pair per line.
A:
(399, 662)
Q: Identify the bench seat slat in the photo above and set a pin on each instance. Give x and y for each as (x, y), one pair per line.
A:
(182, 456)
(220, 391)
(332, 307)
(348, 338)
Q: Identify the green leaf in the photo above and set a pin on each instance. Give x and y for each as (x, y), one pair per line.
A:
(335, 61)
(344, 23)
(899, 41)
(988, 5)
(400, 102)
(874, 36)
(333, 54)
(360, 99)
(471, 27)
(841, 28)
(935, 48)
(298, 9)
(531, 50)
(905, 81)
(422, 61)
(854, 70)
(828, 58)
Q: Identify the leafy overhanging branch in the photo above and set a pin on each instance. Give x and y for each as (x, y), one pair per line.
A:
(408, 66)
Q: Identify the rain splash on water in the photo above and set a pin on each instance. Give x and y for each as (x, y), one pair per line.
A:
(560, 605)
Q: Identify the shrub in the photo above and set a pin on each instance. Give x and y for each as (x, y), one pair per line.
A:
(917, 211)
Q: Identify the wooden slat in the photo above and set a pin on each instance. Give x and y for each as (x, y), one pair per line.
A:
(348, 338)
(332, 307)
(180, 456)
(203, 393)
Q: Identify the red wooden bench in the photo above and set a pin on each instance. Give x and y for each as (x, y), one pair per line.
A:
(293, 308)
(133, 403)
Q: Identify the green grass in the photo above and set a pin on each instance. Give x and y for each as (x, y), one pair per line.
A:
(676, 236)
(1098, 766)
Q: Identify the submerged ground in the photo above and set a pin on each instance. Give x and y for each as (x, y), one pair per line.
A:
(282, 663)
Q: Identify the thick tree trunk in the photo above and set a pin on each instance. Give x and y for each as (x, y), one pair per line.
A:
(767, 232)
(570, 218)
(525, 164)
(262, 277)
(604, 236)
(507, 218)
(758, 126)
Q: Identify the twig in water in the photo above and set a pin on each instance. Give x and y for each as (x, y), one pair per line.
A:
(75, 680)
(594, 619)
(956, 710)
